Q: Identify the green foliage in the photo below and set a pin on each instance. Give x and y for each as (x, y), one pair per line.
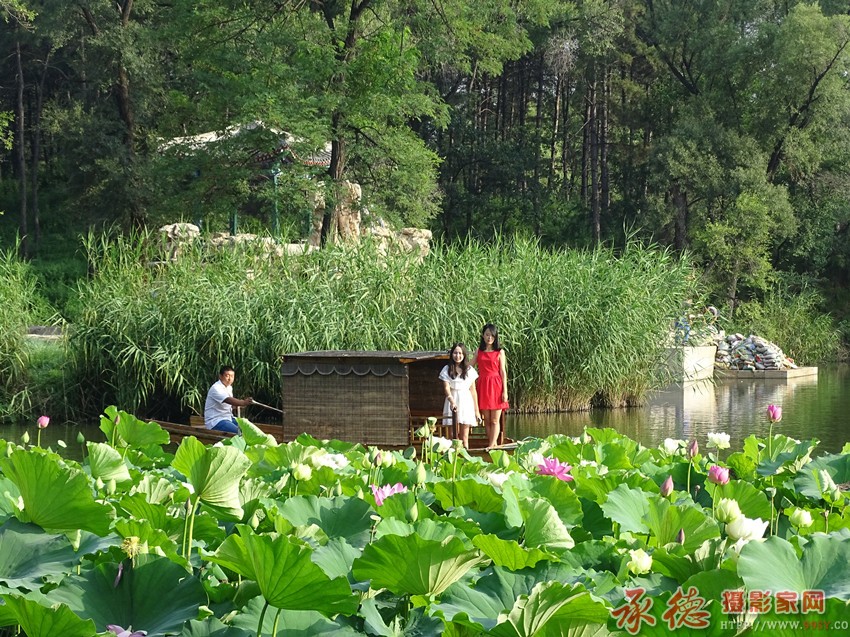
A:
(577, 325)
(795, 320)
(16, 298)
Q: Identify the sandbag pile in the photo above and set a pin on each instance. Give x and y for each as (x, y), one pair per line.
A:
(751, 353)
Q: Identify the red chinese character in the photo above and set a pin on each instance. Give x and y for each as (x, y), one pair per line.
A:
(635, 612)
(733, 602)
(686, 610)
(813, 601)
(759, 601)
(786, 602)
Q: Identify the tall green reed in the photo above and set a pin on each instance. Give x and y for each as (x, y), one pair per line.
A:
(577, 326)
(17, 295)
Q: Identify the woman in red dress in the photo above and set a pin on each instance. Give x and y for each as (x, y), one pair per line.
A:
(492, 383)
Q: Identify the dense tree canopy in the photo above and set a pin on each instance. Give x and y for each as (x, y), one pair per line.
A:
(711, 126)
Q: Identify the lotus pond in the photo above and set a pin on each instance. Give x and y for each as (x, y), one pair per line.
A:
(587, 535)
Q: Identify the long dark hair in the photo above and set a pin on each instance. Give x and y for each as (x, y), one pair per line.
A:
(464, 364)
(482, 346)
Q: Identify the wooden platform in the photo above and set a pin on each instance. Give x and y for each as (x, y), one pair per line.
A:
(766, 374)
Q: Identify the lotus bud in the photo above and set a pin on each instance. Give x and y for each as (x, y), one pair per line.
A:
(43, 421)
(117, 419)
(667, 487)
(378, 457)
(338, 488)
(254, 522)
(640, 563)
(359, 493)
(728, 510)
(801, 518)
(388, 459)
(81, 439)
(302, 472)
(75, 537)
(504, 460)
(718, 474)
(413, 512)
(774, 413)
(697, 489)
(111, 486)
(585, 438)
(98, 484)
(420, 474)
(770, 492)
(693, 448)
(680, 537)
(375, 455)
(9, 451)
(367, 464)
(61, 443)
(25, 438)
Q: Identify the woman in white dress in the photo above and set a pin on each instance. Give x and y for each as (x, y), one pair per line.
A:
(459, 384)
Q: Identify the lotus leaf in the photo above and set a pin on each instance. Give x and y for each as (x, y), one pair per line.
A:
(774, 565)
(40, 621)
(336, 557)
(28, 555)
(415, 624)
(807, 481)
(507, 553)
(342, 516)
(412, 565)
(132, 432)
(561, 496)
(214, 473)
(282, 568)
(543, 528)
(788, 456)
(213, 627)
(468, 492)
(752, 501)
(253, 435)
(106, 463)
(55, 496)
(291, 623)
(154, 595)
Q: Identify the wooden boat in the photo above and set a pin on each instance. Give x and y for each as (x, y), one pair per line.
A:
(377, 398)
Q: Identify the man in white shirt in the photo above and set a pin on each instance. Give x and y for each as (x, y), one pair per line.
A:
(218, 409)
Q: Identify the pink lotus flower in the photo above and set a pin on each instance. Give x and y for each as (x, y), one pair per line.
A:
(693, 448)
(718, 475)
(382, 493)
(122, 632)
(667, 487)
(43, 421)
(774, 413)
(554, 467)
(680, 536)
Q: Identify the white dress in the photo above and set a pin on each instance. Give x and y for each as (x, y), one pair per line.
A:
(462, 397)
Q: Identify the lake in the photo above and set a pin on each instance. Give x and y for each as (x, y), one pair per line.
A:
(812, 407)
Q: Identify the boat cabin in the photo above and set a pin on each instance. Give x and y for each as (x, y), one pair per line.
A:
(371, 397)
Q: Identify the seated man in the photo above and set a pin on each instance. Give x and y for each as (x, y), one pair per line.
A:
(218, 409)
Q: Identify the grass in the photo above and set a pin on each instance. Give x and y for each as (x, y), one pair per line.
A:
(577, 326)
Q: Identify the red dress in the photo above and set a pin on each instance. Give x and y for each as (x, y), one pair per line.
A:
(489, 383)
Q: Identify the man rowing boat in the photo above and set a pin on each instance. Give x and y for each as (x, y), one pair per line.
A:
(218, 409)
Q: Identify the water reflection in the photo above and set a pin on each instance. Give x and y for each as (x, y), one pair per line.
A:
(813, 407)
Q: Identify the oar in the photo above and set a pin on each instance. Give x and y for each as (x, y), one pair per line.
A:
(259, 404)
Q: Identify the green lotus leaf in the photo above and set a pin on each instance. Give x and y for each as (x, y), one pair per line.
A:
(131, 432)
(342, 516)
(8, 497)
(414, 624)
(154, 595)
(55, 496)
(752, 501)
(412, 565)
(665, 520)
(28, 555)
(37, 620)
(470, 493)
(834, 617)
(157, 490)
(214, 473)
(149, 535)
(629, 508)
(676, 562)
(291, 623)
(213, 627)
(507, 553)
(106, 463)
(543, 528)
(774, 565)
(138, 506)
(336, 557)
(789, 456)
(253, 435)
(479, 605)
(437, 530)
(567, 606)
(282, 568)
(561, 495)
(807, 481)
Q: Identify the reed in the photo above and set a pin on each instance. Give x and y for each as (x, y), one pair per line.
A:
(578, 326)
(16, 297)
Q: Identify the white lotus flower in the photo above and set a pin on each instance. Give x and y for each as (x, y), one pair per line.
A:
(801, 518)
(672, 445)
(728, 510)
(745, 529)
(441, 445)
(498, 479)
(534, 459)
(641, 562)
(718, 440)
(334, 461)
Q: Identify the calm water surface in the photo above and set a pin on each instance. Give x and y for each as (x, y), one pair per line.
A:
(812, 407)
